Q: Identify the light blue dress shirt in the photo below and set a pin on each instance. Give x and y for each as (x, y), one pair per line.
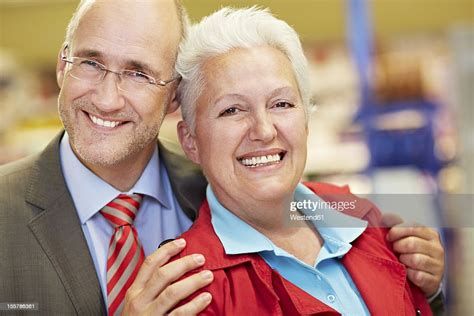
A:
(160, 217)
(327, 280)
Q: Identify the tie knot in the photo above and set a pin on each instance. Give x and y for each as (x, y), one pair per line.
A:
(122, 210)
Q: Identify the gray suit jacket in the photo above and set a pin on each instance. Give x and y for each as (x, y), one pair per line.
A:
(44, 257)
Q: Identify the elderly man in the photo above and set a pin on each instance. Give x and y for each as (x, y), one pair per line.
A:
(71, 238)
(80, 223)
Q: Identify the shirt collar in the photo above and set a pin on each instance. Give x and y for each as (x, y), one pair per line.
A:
(338, 230)
(336, 226)
(225, 225)
(90, 193)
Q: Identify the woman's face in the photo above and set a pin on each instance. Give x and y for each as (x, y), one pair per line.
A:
(251, 131)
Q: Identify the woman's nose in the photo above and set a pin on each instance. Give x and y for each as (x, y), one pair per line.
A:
(263, 128)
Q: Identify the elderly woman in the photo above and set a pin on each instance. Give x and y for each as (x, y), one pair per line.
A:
(245, 100)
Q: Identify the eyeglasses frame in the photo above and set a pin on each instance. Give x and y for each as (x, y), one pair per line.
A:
(105, 70)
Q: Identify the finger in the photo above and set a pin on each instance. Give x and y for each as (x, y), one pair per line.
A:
(411, 244)
(180, 290)
(390, 219)
(401, 231)
(169, 273)
(428, 283)
(155, 260)
(194, 307)
(421, 262)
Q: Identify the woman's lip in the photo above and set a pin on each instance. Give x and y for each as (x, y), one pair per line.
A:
(260, 153)
(262, 161)
(263, 167)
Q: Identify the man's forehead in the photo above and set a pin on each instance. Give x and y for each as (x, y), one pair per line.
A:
(143, 18)
(138, 11)
(110, 27)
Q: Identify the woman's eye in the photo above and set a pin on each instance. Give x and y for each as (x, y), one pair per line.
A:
(229, 111)
(283, 104)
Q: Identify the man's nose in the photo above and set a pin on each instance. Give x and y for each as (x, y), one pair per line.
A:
(263, 128)
(107, 96)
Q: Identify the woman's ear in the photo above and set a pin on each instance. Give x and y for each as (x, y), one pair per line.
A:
(188, 142)
(61, 66)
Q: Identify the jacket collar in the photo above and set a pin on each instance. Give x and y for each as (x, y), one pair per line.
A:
(186, 178)
(297, 301)
(382, 273)
(368, 269)
(217, 255)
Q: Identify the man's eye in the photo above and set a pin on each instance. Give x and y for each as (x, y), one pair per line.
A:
(284, 104)
(138, 76)
(229, 111)
(90, 65)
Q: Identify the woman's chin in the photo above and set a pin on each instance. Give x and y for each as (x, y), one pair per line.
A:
(273, 191)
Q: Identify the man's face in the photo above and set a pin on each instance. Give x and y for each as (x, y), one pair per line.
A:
(108, 126)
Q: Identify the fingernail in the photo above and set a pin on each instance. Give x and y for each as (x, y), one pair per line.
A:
(199, 259)
(180, 242)
(206, 274)
(205, 297)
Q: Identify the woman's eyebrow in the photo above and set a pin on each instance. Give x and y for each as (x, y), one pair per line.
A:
(285, 89)
(229, 95)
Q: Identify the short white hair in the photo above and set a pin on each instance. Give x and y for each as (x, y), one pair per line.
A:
(228, 29)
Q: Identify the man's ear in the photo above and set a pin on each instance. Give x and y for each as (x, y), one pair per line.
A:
(188, 142)
(61, 66)
(174, 104)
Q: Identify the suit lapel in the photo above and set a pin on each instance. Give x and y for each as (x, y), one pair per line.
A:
(186, 178)
(58, 230)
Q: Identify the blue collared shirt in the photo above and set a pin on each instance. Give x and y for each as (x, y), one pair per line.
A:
(327, 280)
(160, 217)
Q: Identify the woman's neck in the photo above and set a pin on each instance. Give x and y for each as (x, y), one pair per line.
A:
(304, 242)
(263, 215)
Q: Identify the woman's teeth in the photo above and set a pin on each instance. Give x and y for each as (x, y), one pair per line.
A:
(101, 122)
(260, 161)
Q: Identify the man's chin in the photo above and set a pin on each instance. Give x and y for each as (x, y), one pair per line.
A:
(101, 156)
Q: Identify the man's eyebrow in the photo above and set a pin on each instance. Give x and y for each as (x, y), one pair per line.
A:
(141, 66)
(88, 53)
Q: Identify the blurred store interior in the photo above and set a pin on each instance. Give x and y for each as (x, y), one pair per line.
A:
(393, 84)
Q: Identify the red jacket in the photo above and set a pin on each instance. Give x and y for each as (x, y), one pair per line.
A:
(246, 285)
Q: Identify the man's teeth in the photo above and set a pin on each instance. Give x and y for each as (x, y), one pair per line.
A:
(101, 122)
(260, 161)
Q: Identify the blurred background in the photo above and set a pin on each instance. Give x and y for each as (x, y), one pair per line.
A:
(393, 89)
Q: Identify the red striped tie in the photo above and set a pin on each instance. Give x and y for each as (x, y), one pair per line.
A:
(125, 251)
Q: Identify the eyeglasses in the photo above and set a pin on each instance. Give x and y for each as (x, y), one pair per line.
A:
(94, 72)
